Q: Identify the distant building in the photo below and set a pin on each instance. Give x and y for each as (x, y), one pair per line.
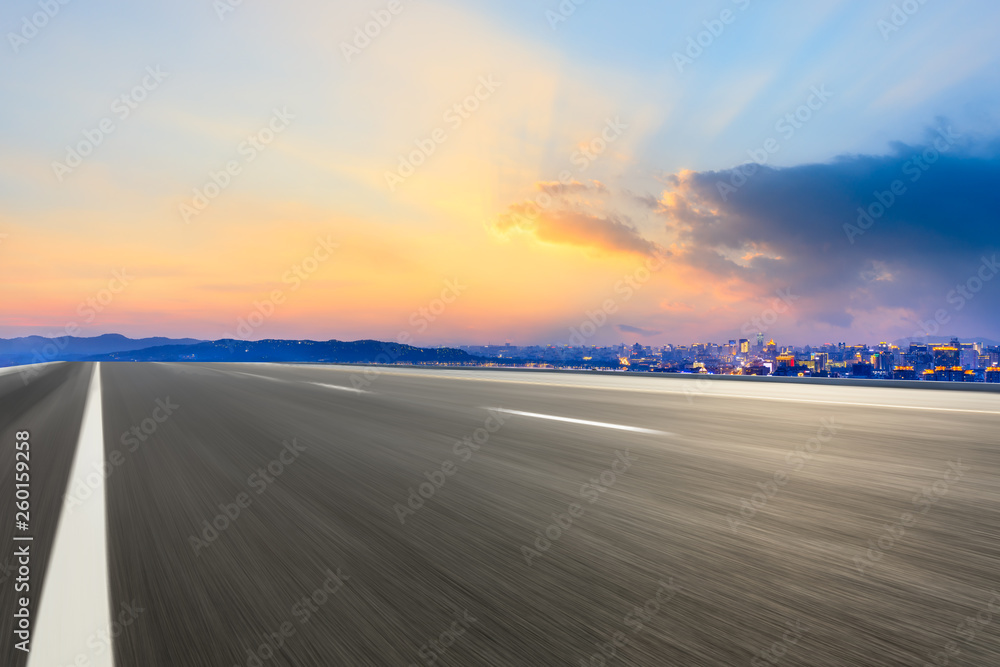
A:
(949, 374)
(920, 357)
(904, 373)
(947, 356)
(993, 374)
(862, 370)
(822, 360)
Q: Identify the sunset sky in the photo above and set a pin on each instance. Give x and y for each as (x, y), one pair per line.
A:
(580, 149)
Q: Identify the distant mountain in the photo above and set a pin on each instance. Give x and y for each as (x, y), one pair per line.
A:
(332, 351)
(941, 340)
(36, 349)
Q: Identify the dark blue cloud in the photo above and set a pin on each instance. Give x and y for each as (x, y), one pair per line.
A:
(860, 233)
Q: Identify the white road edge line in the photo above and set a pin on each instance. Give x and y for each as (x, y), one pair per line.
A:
(342, 388)
(7, 370)
(619, 427)
(75, 603)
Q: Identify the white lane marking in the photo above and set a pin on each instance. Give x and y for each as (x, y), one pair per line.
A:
(700, 394)
(75, 603)
(337, 386)
(254, 375)
(618, 427)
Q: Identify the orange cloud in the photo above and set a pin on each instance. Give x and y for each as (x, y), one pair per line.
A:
(577, 214)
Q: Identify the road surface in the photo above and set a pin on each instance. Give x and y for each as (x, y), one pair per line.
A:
(308, 515)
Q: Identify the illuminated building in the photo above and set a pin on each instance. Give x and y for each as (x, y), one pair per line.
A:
(822, 360)
(949, 373)
(946, 356)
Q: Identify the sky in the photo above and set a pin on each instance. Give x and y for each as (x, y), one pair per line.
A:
(478, 172)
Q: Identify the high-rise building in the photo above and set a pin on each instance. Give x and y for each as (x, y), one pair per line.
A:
(947, 356)
(744, 346)
(822, 361)
(920, 357)
(883, 361)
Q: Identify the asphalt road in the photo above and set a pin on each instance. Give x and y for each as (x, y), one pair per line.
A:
(49, 405)
(272, 515)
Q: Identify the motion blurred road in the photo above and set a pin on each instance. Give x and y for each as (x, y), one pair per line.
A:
(309, 515)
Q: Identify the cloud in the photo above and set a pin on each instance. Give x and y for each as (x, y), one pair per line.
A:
(625, 328)
(577, 214)
(571, 188)
(838, 236)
